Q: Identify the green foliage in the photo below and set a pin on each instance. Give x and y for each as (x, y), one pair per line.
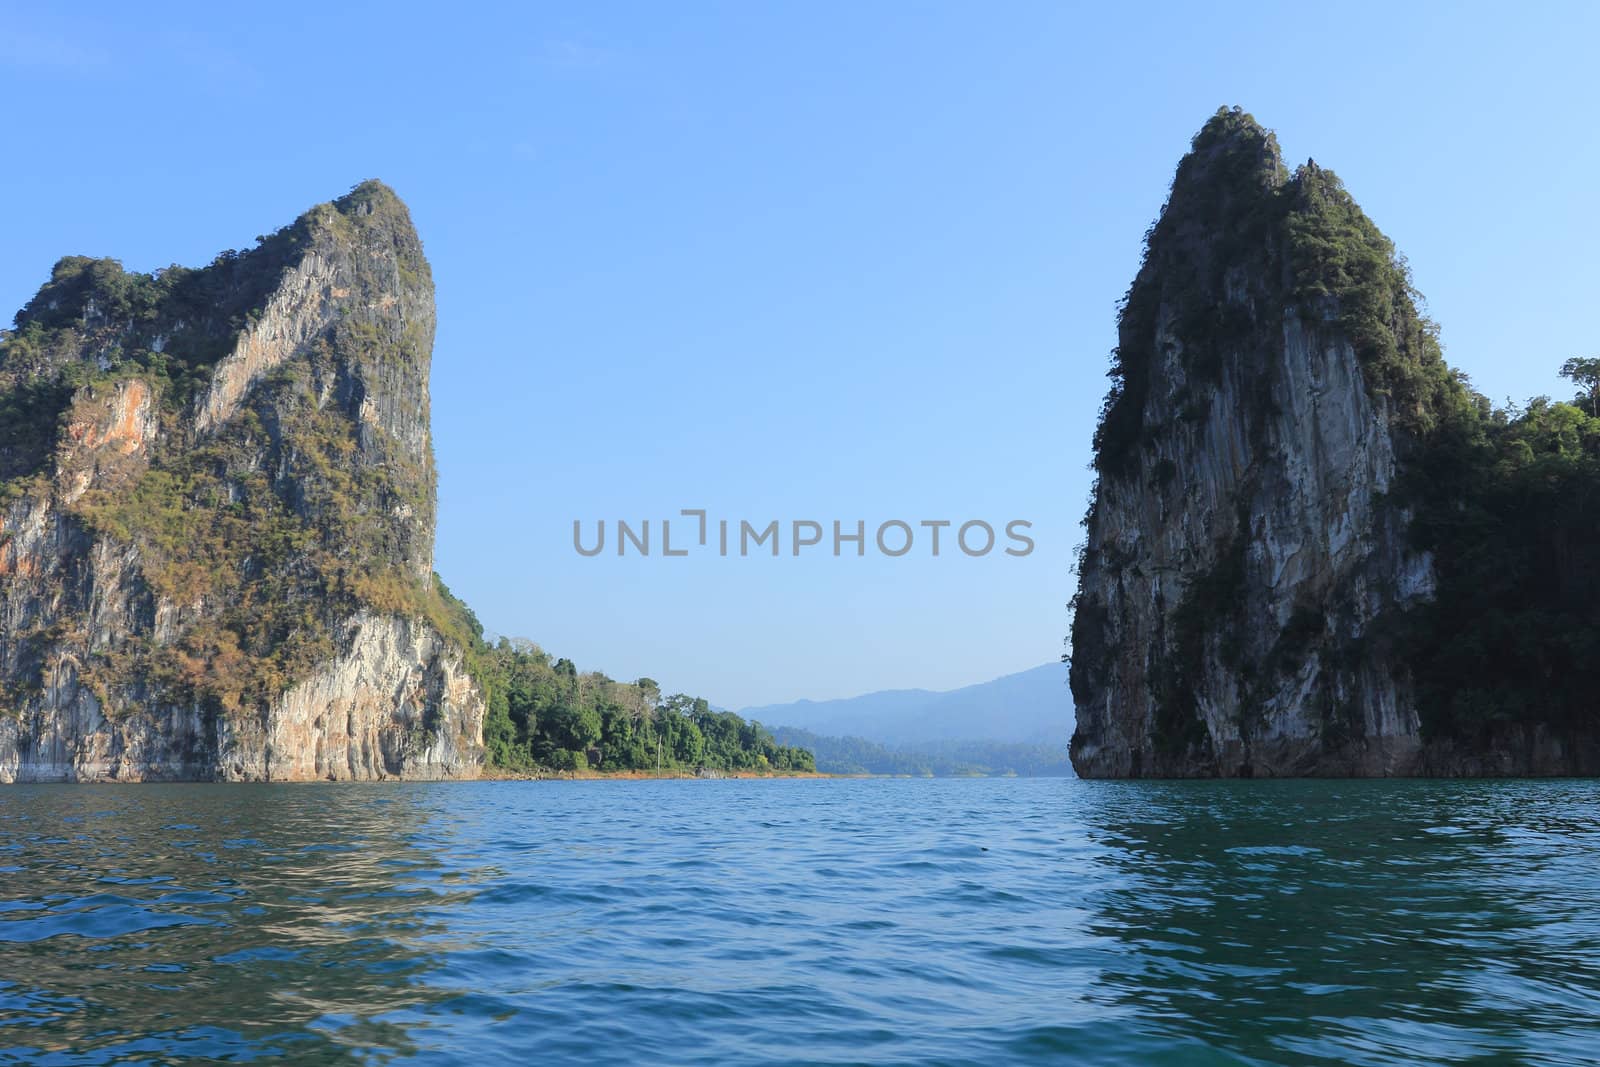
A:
(29, 414)
(1237, 243)
(83, 288)
(1508, 502)
(1344, 267)
(546, 715)
(94, 322)
(1584, 372)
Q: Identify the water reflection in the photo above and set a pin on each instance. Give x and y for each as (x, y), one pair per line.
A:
(828, 921)
(1354, 922)
(271, 920)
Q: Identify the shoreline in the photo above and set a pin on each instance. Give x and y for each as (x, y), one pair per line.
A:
(498, 774)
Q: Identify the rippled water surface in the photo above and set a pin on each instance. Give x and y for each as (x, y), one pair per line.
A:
(803, 921)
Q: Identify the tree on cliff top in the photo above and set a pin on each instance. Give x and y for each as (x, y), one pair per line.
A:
(1585, 373)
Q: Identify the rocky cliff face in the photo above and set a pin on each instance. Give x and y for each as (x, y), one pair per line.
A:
(216, 518)
(1245, 543)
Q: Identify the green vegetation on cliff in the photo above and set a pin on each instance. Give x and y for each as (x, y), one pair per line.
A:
(1227, 186)
(255, 537)
(546, 715)
(1238, 221)
(1505, 502)
(1508, 501)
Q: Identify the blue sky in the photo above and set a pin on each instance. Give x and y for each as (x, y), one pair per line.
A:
(799, 261)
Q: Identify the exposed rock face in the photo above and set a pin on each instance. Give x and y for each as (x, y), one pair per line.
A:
(216, 518)
(1244, 545)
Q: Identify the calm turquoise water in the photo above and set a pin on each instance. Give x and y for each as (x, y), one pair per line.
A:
(803, 921)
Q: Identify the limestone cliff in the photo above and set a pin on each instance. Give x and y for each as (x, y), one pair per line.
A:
(216, 518)
(1245, 545)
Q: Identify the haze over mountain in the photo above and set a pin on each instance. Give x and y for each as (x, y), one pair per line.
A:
(1032, 706)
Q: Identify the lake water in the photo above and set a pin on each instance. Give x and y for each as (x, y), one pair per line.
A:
(972, 921)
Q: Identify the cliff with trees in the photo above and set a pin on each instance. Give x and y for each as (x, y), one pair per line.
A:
(1313, 548)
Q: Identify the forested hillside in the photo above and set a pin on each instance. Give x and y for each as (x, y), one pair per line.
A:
(545, 714)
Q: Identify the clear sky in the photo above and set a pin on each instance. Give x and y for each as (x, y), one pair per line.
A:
(796, 261)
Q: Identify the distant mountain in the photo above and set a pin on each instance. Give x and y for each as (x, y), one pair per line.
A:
(1032, 707)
